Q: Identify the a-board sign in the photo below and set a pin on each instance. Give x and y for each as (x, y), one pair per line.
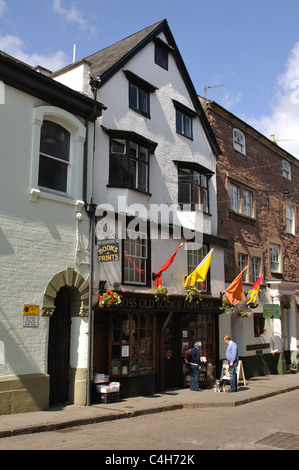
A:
(225, 375)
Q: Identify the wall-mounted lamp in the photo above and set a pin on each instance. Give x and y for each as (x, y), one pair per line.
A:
(286, 193)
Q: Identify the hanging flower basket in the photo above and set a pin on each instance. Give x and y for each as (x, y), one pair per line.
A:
(161, 293)
(242, 310)
(243, 313)
(193, 294)
(226, 306)
(109, 298)
(253, 305)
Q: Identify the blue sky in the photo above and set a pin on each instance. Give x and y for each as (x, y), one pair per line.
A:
(249, 47)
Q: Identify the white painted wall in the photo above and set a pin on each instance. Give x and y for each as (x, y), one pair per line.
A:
(39, 237)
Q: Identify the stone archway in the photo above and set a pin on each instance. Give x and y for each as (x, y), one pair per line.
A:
(78, 287)
(69, 277)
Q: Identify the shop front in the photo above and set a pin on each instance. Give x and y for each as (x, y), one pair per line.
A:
(140, 342)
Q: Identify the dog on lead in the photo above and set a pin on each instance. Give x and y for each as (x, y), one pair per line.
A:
(219, 386)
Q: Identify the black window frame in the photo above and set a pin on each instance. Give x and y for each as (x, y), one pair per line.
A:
(183, 116)
(161, 53)
(194, 184)
(139, 90)
(140, 141)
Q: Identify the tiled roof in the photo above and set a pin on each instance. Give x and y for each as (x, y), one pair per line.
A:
(104, 60)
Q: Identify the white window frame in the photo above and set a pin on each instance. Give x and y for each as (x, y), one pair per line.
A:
(247, 202)
(290, 219)
(195, 257)
(239, 141)
(77, 132)
(274, 258)
(242, 263)
(286, 170)
(135, 254)
(256, 268)
(235, 198)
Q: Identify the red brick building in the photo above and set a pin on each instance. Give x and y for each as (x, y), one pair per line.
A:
(257, 197)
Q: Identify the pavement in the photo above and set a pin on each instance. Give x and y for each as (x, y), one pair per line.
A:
(60, 417)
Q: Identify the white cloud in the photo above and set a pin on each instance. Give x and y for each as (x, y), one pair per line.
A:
(229, 100)
(72, 14)
(15, 47)
(283, 122)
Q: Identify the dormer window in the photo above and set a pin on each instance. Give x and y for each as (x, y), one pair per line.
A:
(239, 141)
(161, 53)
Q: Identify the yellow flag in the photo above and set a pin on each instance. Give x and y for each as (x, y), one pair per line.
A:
(199, 274)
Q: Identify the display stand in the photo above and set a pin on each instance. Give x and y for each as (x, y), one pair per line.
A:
(240, 372)
(202, 379)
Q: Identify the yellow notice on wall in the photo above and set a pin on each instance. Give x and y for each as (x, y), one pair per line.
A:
(31, 315)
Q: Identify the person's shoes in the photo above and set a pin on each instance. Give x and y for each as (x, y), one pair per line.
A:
(230, 391)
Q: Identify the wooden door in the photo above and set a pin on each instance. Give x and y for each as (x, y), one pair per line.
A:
(59, 348)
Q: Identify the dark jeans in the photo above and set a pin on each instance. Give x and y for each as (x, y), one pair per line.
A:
(194, 376)
(233, 376)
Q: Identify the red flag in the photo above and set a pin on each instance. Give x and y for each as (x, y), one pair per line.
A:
(235, 293)
(165, 266)
(254, 290)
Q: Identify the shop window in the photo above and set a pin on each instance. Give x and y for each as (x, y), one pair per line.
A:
(199, 327)
(132, 348)
(194, 258)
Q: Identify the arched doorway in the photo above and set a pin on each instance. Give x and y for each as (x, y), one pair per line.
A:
(59, 347)
(66, 304)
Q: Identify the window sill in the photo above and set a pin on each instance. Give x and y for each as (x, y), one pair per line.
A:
(36, 194)
(110, 185)
(241, 217)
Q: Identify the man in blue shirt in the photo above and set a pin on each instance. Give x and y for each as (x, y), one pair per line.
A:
(232, 358)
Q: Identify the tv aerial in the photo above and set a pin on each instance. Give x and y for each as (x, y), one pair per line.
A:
(207, 87)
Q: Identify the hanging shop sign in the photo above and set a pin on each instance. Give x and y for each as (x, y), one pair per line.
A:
(30, 317)
(271, 311)
(108, 252)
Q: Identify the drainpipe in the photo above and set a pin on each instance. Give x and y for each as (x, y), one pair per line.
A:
(90, 209)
